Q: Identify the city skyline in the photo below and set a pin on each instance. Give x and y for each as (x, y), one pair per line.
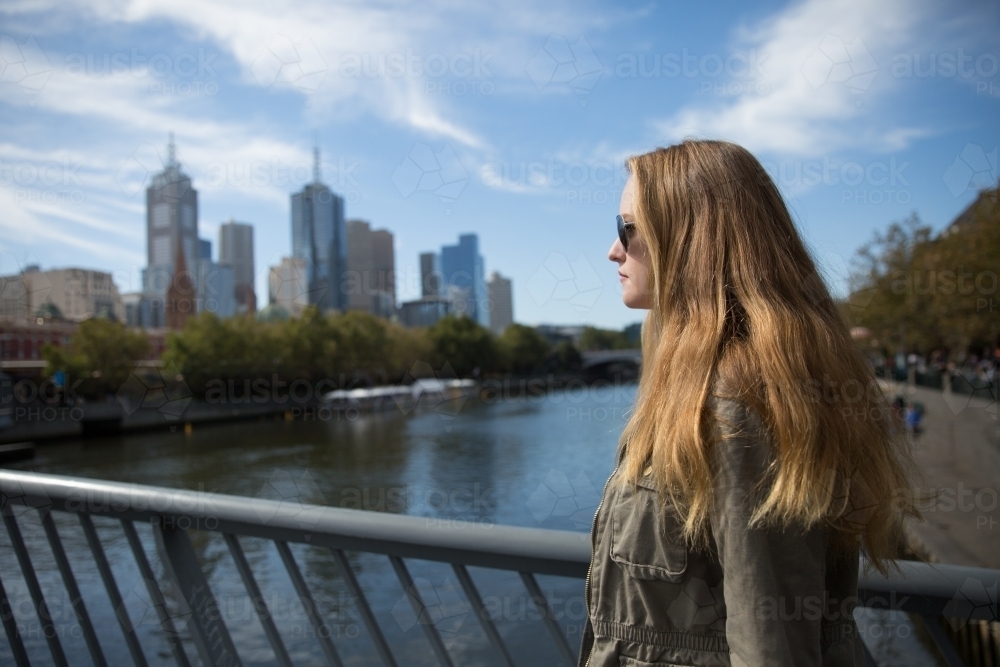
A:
(863, 113)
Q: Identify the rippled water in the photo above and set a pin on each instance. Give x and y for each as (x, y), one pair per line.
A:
(538, 463)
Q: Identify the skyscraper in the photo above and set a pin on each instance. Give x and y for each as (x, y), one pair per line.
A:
(370, 280)
(319, 238)
(430, 274)
(172, 243)
(171, 219)
(236, 250)
(287, 288)
(463, 270)
(384, 263)
(501, 304)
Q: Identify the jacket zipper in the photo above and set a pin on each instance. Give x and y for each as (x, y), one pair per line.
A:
(593, 545)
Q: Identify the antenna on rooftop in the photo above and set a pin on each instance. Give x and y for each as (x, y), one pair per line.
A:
(316, 157)
(171, 151)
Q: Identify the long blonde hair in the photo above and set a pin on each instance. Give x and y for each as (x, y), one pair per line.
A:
(738, 309)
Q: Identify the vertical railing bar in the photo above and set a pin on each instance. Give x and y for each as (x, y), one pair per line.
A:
(35, 589)
(550, 620)
(259, 604)
(13, 634)
(183, 569)
(489, 627)
(869, 658)
(69, 581)
(155, 595)
(366, 613)
(937, 633)
(121, 613)
(423, 617)
(307, 600)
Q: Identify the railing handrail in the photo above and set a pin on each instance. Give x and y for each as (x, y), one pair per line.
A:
(537, 550)
(928, 587)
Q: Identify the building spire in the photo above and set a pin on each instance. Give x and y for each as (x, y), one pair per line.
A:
(171, 151)
(316, 164)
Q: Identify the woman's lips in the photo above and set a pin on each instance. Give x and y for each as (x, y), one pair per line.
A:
(621, 276)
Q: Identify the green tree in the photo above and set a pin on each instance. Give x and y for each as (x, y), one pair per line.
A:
(406, 348)
(461, 342)
(592, 338)
(100, 356)
(363, 342)
(524, 349)
(566, 358)
(232, 349)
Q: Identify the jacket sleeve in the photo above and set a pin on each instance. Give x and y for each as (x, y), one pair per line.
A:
(773, 579)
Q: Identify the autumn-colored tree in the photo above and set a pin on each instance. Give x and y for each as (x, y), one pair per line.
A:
(918, 292)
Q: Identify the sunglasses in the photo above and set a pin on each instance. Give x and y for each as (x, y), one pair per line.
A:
(624, 229)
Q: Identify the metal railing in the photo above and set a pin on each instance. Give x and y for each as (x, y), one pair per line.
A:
(925, 591)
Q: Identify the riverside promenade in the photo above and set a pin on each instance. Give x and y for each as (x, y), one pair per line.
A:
(958, 454)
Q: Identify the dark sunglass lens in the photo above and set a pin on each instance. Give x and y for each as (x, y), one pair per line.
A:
(622, 233)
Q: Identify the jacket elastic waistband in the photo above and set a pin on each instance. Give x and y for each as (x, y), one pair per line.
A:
(716, 643)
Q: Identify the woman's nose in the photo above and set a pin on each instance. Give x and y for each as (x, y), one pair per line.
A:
(616, 253)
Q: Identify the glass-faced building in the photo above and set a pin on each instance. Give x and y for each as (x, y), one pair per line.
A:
(319, 239)
(463, 273)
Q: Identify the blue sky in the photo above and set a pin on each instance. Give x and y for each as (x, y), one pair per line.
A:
(510, 120)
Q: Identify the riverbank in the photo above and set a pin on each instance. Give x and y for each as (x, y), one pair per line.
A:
(42, 422)
(958, 455)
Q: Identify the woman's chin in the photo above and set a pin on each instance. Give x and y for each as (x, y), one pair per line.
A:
(637, 301)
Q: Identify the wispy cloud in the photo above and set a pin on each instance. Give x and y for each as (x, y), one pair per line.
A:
(823, 67)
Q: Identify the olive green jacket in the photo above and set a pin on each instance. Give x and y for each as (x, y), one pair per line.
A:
(757, 597)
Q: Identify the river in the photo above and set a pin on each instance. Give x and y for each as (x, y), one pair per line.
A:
(538, 462)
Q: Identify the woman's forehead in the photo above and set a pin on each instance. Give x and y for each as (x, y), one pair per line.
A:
(628, 197)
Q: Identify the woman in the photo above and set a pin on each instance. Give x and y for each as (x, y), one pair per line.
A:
(761, 457)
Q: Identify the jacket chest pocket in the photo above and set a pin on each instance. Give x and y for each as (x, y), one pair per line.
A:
(646, 537)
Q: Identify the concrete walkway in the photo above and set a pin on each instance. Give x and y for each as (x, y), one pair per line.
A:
(959, 458)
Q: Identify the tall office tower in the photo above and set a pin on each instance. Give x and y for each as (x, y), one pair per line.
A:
(171, 220)
(463, 269)
(172, 244)
(359, 266)
(287, 286)
(369, 283)
(318, 238)
(430, 274)
(384, 262)
(502, 305)
(236, 250)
